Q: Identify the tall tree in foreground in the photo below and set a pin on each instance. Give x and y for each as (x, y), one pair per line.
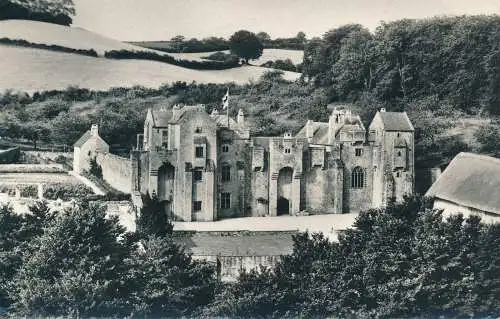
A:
(166, 282)
(246, 45)
(75, 268)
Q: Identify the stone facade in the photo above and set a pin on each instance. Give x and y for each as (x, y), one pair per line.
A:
(207, 167)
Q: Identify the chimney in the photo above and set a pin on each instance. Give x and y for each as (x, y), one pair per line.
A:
(214, 113)
(175, 110)
(309, 130)
(241, 117)
(94, 130)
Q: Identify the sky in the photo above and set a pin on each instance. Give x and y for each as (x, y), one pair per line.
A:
(149, 20)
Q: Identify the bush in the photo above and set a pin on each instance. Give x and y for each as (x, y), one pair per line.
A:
(66, 191)
(219, 56)
(197, 65)
(285, 65)
(29, 191)
(95, 168)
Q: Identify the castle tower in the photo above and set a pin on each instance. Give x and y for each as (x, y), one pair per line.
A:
(393, 156)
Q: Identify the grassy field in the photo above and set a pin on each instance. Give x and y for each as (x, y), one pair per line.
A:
(33, 70)
(75, 38)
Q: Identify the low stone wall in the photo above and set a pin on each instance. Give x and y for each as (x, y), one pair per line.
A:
(116, 171)
(229, 267)
(31, 168)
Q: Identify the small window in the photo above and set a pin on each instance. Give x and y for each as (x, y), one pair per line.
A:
(287, 151)
(199, 151)
(198, 175)
(197, 206)
(399, 153)
(358, 178)
(225, 148)
(398, 174)
(358, 151)
(226, 173)
(198, 130)
(164, 138)
(225, 200)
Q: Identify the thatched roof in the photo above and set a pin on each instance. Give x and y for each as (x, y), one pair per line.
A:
(470, 180)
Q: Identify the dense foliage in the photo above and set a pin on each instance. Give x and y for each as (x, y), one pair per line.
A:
(246, 45)
(82, 263)
(403, 261)
(453, 58)
(66, 191)
(52, 11)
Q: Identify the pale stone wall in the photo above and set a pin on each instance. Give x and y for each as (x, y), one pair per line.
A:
(450, 208)
(356, 199)
(231, 266)
(116, 171)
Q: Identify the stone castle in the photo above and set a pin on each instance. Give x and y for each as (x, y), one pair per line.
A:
(206, 167)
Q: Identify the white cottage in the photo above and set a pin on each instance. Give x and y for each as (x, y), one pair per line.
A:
(86, 148)
(469, 185)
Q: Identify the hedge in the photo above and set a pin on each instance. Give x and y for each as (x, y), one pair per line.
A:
(52, 47)
(152, 56)
(66, 191)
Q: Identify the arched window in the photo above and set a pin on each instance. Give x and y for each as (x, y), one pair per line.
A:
(226, 173)
(358, 178)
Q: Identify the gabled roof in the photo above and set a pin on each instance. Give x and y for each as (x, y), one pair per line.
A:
(87, 136)
(470, 180)
(320, 132)
(396, 121)
(83, 139)
(161, 117)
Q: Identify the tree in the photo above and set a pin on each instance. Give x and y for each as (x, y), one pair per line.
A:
(53, 11)
(405, 260)
(153, 220)
(301, 37)
(263, 36)
(75, 268)
(11, 237)
(166, 281)
(246, 45)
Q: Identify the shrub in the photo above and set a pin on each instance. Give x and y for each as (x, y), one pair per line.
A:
(95, 168)
(29, 191)
(66, 191)
(219, 56)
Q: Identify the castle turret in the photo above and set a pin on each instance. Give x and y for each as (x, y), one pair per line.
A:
(309, 130)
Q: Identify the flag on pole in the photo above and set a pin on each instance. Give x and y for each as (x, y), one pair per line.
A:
(225, 100)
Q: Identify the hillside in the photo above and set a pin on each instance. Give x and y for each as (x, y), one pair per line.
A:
(32, 70)
(48, 33)
(78, 38)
